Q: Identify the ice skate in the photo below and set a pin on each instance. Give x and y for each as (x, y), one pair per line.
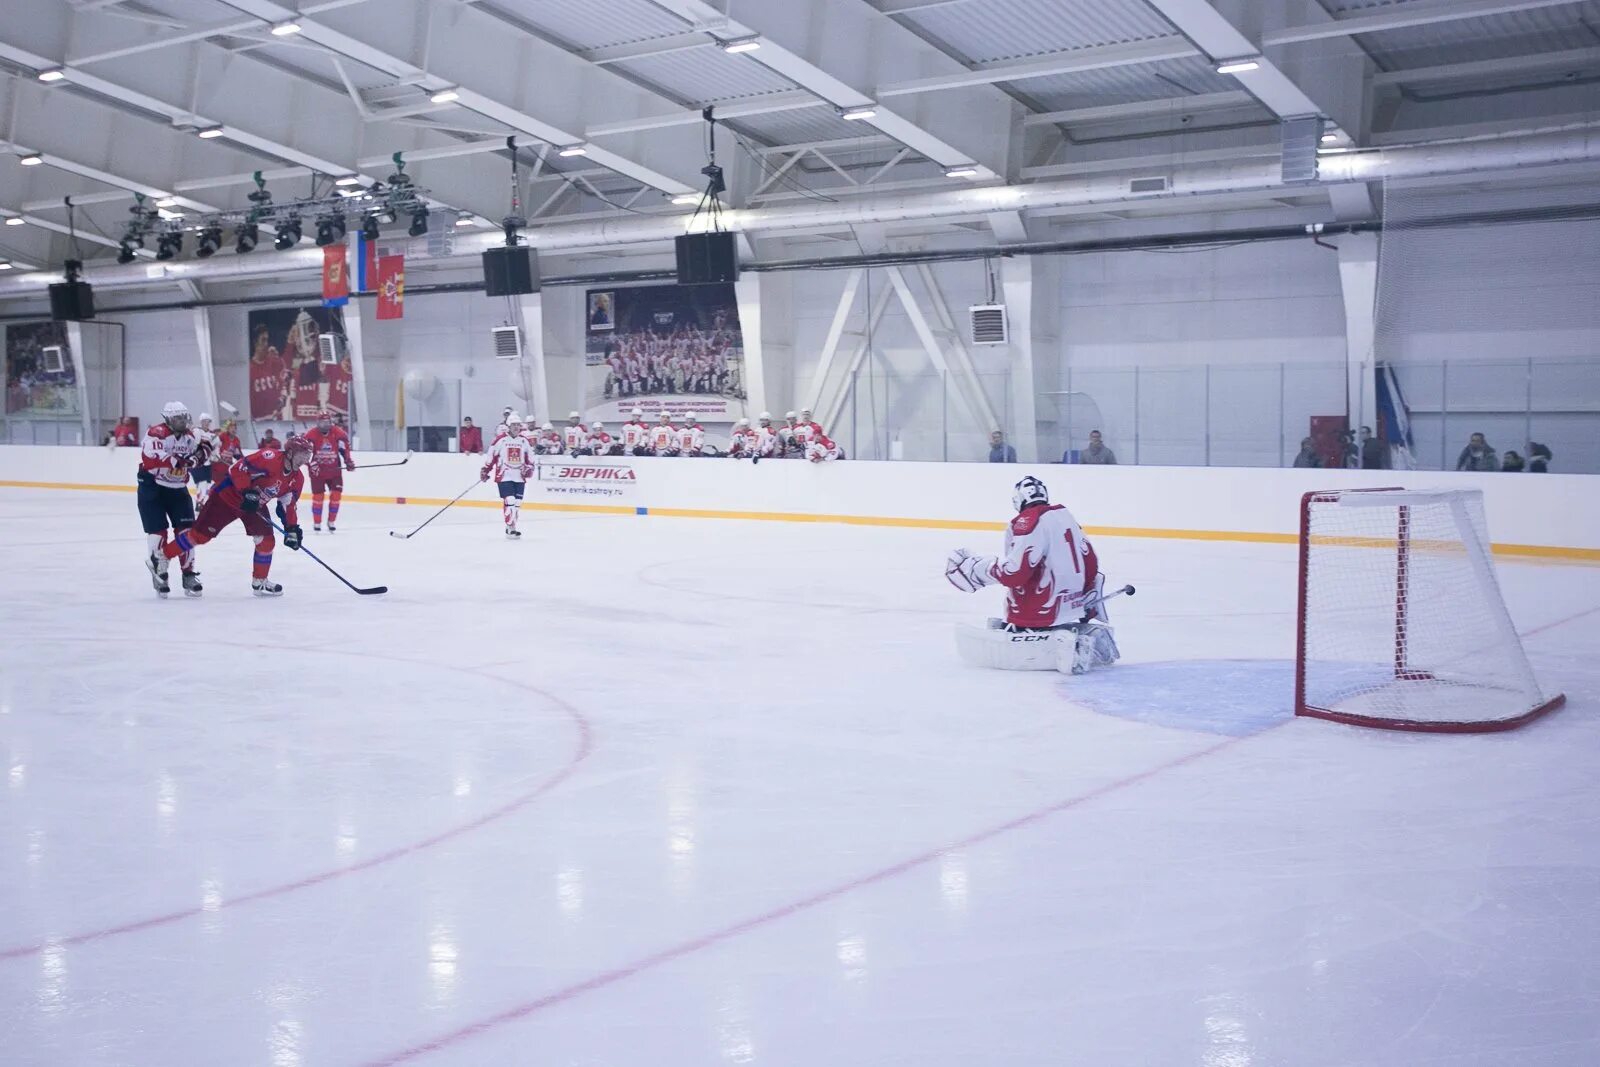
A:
(513, 533)
(263, 587)
(317, 527)
(331, 527)
(156, 565)
(191, 584)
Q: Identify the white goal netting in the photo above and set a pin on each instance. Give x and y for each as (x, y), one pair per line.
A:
(1402, 624)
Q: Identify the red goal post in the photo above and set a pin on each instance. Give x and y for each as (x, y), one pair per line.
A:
(1401, 623)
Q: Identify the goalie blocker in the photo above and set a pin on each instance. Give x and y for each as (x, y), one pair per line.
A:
(1055, 593)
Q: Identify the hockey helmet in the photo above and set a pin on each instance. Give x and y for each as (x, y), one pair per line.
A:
(176, 415)
(665, 415)
(742, 422)
(789, 415)
(597, 426)
(805, 414)
(1029, 491)
(638, 413)
(296, 443)
(204, 418)
(513, 419)
(547, 426)
(765, 417)
(574, 418)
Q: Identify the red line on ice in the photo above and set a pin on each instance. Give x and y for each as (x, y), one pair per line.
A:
(782, 911)
(580, 753)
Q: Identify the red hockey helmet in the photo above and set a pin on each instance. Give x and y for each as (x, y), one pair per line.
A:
(296, 443)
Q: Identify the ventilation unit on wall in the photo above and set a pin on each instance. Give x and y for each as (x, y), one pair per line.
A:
(988, 324)
(55, 361)
(330, 346)
(1147, 185)
(507, 342)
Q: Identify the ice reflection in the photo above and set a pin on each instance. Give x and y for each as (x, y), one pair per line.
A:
(1228, 1041)
(52, 978)
(210, 905)
(346, 842)
(953, 881)
(569, 890)
(852, 953)
(19, 772)
(286, 1043)
(35, 847)
(680, 787)
(166, 800)
(442, 959)
(734, 1035)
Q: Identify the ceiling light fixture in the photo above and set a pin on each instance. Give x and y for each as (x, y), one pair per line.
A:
(857, 114)
(167, 201)
(209, 132)
(54, 74)
(348, 179)
(285, 29)
(961, 170)
(741, 44)
(687, 199)
(32, 159)
(369, 226)
(573, 150)
(247, 235)
(288, 233)
(208, 242)
(1331, 137)
(1238, 66)
(169, 245)
(419, 221)
(16, 220)
(168, 216)
(466, 220)
(5, 264)
(445, 96)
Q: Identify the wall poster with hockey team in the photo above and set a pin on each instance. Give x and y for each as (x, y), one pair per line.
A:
(291, 379)
(40, 376)
(677, 348)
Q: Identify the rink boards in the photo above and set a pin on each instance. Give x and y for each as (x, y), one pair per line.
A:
(1549, 516)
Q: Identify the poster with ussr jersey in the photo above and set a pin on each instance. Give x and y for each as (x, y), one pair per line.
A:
(289, 382)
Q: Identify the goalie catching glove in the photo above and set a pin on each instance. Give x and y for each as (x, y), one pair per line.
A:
(969, 572)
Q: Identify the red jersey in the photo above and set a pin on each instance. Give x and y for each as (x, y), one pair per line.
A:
(327, 450)
(167, 456)
(267, 473)
(470, 439)
(267, 385)
(339, 387)
(228, 450)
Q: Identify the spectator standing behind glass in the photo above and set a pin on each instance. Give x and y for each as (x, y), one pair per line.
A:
(1539, 457)
(1097, 452)
(1308, 454)
(1374, 453)
(999, 451)
(1512, 464)
(470, 437)
(1477, 456)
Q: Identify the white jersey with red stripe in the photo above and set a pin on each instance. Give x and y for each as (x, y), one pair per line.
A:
(664, 437)
(167, 456)
(806, 432)
(822, 450)
(766, 441)
(510, 459)
(601, 442)
(1048, 569)
(691, 439)
(575, 437)
(635, 434)
(742, 441)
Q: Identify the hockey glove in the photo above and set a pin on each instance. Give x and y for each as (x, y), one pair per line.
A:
(250, 502)
(967, 572)
(527, 472)
(349, 466)
(292, 536)
(483, 475)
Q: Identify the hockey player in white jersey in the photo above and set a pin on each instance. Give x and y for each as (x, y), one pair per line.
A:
(1055, 593)
(691, 436)
(742, 440)
(510, 461)
(766, 443)
(664, 436)
(602, 443)
(208, 446)
(575, 436)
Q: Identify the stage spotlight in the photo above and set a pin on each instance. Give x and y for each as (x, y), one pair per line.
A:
(419, 221)
(288, 233)
(369, 226)
(330, 228)
(248, 235)
(169, 244)
(208, 242)
(125, 253)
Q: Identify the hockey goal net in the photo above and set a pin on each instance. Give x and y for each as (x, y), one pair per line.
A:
(1401, 623)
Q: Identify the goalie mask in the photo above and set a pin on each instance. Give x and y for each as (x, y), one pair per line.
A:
(1029, 492)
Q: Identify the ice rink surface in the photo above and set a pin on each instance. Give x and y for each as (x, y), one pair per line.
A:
(653, 791)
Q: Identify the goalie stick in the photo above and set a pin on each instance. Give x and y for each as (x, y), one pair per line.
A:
(374, 590)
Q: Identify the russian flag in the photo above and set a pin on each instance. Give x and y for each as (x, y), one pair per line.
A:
(366, 264)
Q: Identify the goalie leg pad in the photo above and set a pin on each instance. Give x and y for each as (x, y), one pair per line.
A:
(1095, 646)
(1005, 650)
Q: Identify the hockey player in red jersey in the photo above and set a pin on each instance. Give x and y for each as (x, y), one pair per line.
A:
(330, 447)
(171, 450)
(251, 484)
(510, 461)
(1053, 583)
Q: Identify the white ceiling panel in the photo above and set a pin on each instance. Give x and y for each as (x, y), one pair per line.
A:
(986, 31)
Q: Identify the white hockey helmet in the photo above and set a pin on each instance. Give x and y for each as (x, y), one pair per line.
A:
(547, 426)
(638, 413)
(204, 418)
(742, 422)
(597, 425)
(1029, 491)
(788, 414)
(513, 419)
(765, 416)
(665, 415)
(575, 417)
(174, 412)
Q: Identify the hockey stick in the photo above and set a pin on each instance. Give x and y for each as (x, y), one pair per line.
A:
(370, 591)
(397, 463)
(1097, 601)
(436, 514)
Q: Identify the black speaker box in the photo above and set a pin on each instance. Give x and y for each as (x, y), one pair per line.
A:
(510, 271)
(704, 258)
(71, 301)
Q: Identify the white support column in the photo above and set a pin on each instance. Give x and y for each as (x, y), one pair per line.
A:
(81, 373)
(355, 312)
(965, 379)
(1016, 285)
(841, 316)
(1358, 281)
(208, 372)
(536, 383)
(747, 290)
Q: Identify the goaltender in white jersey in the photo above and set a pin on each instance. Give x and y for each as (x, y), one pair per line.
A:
(1055, 593)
